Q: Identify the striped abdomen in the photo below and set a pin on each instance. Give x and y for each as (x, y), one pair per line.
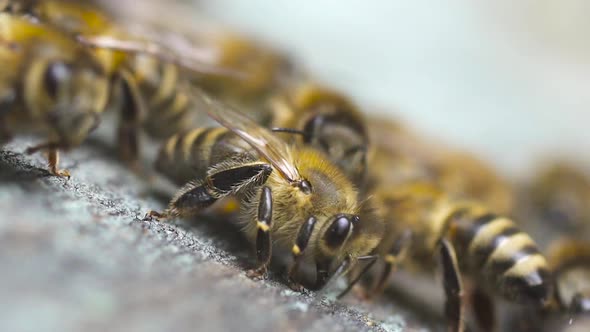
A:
(494, 250)
(166, 96)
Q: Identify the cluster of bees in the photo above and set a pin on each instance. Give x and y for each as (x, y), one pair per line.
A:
(337, 192)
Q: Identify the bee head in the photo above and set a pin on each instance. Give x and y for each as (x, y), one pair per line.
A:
(345, 238)
(342, 139)
(68, 94)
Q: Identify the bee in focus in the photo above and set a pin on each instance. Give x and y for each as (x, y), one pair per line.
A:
(327, 121)
(291, 197)
(423, 217)
(49, 85)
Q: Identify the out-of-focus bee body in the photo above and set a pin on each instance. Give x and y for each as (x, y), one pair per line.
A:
(412, 194)
(461, 175)
(489, 247)
(327, 121)
(49, 85)
(555, 204)
(558, 202)
(146, 91)
(291, 194)
(265, 71)
(569, 260)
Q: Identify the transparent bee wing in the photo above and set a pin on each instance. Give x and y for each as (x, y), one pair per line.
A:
(270, 147)
(194, 59)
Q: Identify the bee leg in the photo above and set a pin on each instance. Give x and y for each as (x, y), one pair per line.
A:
(483, 308)
(7, 98)
(53, 160)
(52, 157)
(263, 240)
(132, 112)
(453, 287)
(396, 254)
(195, 196)
(372, 260)
(189, 201)
(298, 249)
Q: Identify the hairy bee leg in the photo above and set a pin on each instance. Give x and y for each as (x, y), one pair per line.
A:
(392, 259)
(132, 113)
(263, 238)
(196, 196)
(298, 249)
(190, 200)
(453, 287)
(483, 308)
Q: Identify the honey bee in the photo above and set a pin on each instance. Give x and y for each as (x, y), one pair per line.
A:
(459, 173)
(291, 197)
(149, 90)
(569, 260)
(327, 121)
(555, 203)
(264, 71)
(423, 215)
(49, 85)
(559, 197)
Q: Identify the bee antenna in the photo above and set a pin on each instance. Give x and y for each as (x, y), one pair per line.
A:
(372, 260)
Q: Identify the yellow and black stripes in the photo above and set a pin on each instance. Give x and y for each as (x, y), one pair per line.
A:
(494, 249)
(167, 99)
(186, 156)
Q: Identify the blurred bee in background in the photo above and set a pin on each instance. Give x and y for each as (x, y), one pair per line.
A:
(555, 204)
(147, 89)
(459, 173)
(558, 200)
(570, 262)
(327, 121)
(49, 85)
(292, 198)
(264, 71)
(425, 213)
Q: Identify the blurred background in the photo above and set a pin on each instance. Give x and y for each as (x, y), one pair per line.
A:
(509, 81)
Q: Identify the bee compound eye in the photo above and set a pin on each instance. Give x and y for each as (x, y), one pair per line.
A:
(306, 187)
(338, 231)
(55, 74)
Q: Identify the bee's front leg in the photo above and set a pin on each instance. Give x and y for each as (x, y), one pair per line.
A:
(392, 259)
(133, 110)
(195, 196)
(298, 249)
(453, 287)
(52, 157)
(263, 236)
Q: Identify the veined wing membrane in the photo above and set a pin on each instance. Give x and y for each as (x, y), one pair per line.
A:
(270, 147)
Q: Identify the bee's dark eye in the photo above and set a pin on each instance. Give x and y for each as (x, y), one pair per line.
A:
(55, 74)
(305, 186)
(338, 231)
